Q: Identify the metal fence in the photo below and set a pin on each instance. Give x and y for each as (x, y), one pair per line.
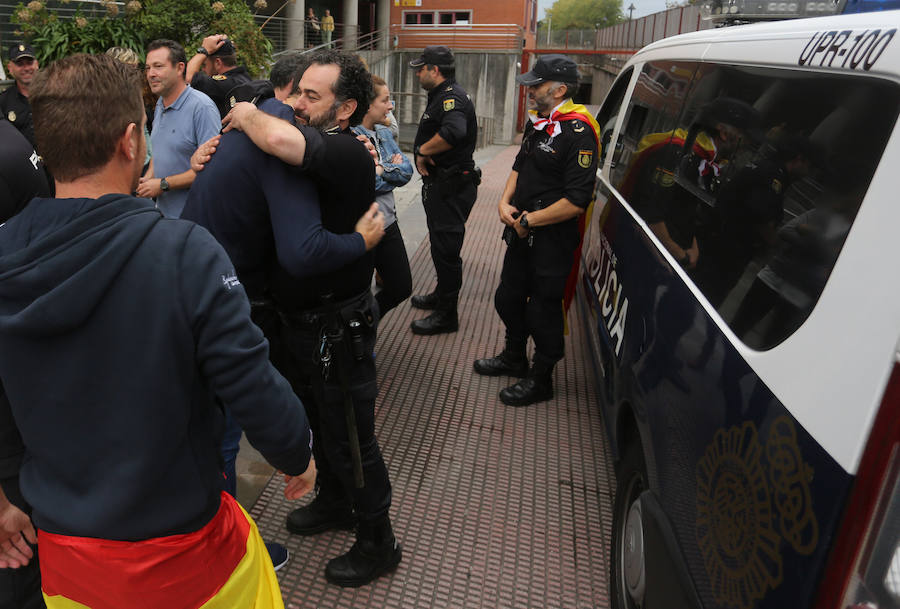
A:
(631, 34)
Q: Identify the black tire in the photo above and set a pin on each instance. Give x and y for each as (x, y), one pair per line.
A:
(631, 481)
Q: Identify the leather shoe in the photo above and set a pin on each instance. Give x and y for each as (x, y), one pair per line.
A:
(425, 301)
(528, 391)
(438, 322)
(363, 563)
(503, 364)
(320, 516)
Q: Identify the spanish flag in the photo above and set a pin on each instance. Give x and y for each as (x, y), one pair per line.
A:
(224, 565)
(570, 111)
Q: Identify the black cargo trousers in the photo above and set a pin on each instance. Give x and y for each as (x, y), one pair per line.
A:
(448, 196)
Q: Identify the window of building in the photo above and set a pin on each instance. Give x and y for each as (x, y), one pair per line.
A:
(455, 17)
(415, 18)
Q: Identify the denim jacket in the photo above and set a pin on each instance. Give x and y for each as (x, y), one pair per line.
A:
(394, 174)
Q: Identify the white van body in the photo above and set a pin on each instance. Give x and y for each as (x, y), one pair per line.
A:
(739, 281)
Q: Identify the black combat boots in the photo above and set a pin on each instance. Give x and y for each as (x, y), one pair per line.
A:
(375, 553)
(508, 362)
(443, 319)
(536, 387)
(319, 516)
(425, 301)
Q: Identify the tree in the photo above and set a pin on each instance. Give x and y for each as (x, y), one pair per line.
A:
(585, 14)
(96, 27)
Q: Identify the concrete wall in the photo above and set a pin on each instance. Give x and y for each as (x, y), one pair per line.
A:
(488, 77)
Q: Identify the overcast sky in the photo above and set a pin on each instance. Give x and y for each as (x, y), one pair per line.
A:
(641, 7)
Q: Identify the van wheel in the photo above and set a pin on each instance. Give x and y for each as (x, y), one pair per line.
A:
(626, 571)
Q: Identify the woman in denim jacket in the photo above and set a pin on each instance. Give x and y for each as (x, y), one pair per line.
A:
(392, 169)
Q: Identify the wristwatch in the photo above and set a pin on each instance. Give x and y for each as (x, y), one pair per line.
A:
(164, 185)
(523, 220)
(202, 51)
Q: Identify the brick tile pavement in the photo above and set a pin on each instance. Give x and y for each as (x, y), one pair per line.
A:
(496, 507)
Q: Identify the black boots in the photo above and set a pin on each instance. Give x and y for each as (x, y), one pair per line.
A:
(439, 322)
(536, 387)
(443, 319)
(511, 363)
(425, 301)
(375, 553)
(319, 516)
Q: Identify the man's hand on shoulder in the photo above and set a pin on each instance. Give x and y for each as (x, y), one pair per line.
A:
(202, 155)
(371, 226)
(238, 116)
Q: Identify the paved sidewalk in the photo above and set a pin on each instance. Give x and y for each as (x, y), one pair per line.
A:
(496, 507)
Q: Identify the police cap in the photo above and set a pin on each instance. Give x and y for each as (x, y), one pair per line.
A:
(227, 48)
(434, 56)
(556, 68)
(18, 51)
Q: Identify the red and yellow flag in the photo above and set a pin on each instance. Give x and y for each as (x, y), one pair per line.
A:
(224, 565)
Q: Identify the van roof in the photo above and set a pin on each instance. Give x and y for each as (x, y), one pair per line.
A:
(864, 42)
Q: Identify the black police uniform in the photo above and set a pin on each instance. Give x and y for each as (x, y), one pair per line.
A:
(219, 87)
(450, 189)
(15, 108)
(330, 320)
(22, 178)
(535, 268)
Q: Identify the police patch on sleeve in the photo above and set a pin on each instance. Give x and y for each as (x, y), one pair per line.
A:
(11, 116)
(219, 77)
(585, 157)
(449, 104)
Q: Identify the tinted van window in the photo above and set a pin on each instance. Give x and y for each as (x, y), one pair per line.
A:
(751, 178)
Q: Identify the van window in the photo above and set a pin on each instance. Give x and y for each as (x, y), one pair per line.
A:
(751, 178)
(609, 112)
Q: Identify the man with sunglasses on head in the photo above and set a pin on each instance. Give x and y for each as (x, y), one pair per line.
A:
(22, 66)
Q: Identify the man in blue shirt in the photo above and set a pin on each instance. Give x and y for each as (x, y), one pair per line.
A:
(184, 119)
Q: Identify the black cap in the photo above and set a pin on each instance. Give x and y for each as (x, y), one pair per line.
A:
(21, 50)
(227, 48)
(558, 68)
(434, 56)
(730, 111)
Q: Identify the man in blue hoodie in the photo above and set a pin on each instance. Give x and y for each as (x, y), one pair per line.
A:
(122, 334)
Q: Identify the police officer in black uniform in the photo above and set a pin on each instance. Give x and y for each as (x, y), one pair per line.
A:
(444, 145)
(220, 72)
(22, 178)
(551, 184)
(22, 66)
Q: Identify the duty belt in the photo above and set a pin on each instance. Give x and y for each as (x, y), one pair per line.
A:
(333, 322)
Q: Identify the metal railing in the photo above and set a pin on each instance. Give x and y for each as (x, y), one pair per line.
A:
(457, 36)
(631, 34)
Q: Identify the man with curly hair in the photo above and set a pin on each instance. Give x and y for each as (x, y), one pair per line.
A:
(331, 317)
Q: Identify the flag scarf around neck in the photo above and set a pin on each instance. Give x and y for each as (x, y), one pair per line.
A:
(224, 565)
(570, 111)
(566, 111)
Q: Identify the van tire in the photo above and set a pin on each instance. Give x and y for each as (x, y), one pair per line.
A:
(631, 481)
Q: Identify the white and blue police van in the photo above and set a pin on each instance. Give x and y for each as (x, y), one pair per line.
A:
(740, 283)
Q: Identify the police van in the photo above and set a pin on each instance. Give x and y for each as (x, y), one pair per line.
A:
(740, 283)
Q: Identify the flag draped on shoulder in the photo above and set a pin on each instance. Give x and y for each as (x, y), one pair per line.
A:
(224, 565)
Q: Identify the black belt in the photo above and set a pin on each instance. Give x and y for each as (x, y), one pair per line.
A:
(356, 307)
